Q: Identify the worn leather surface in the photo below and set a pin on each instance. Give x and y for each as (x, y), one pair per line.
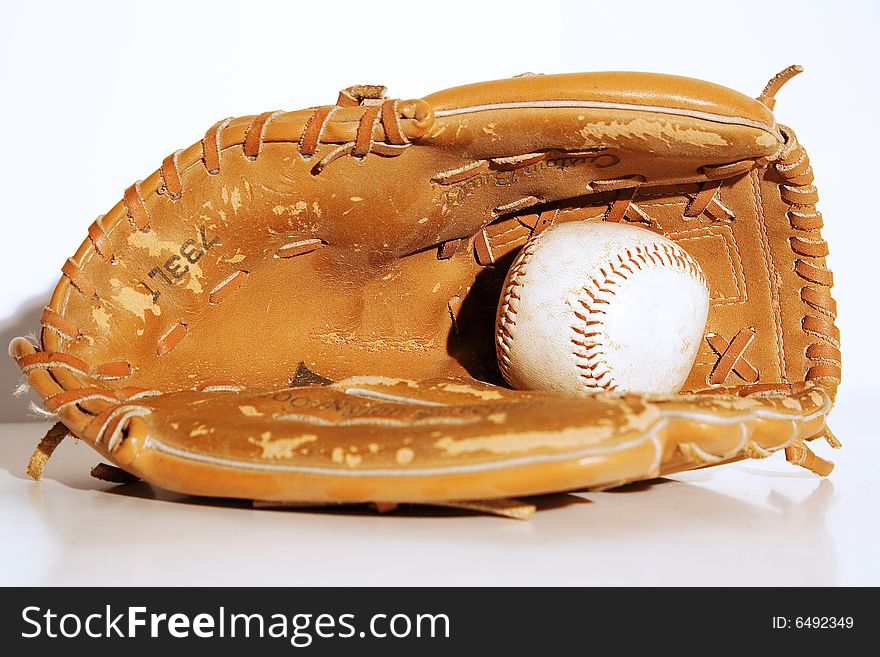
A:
(300, 307)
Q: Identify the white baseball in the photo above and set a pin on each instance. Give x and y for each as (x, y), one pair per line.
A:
(597, 306)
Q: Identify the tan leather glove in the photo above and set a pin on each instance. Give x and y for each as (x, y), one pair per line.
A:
(300, 307)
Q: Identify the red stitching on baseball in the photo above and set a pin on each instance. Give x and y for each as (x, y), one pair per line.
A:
(594, 371)
(507, 310)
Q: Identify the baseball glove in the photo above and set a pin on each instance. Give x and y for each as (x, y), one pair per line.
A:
(300, 308)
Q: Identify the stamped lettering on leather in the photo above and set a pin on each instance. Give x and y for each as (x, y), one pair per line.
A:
(176, 267)
(457, 193)
(307, 403)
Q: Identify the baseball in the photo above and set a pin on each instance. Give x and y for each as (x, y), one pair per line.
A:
(599, 306)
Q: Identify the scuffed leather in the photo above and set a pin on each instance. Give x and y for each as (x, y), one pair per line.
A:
(300, 307)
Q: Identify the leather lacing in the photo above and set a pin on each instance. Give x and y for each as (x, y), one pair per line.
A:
(382, 116)
(379, 131)
(810, 249)
(381, 112)
(792, 164)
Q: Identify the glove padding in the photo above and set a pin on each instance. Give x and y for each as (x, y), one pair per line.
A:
(300, 307)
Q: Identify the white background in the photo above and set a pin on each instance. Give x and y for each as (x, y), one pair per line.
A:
(96, 94)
